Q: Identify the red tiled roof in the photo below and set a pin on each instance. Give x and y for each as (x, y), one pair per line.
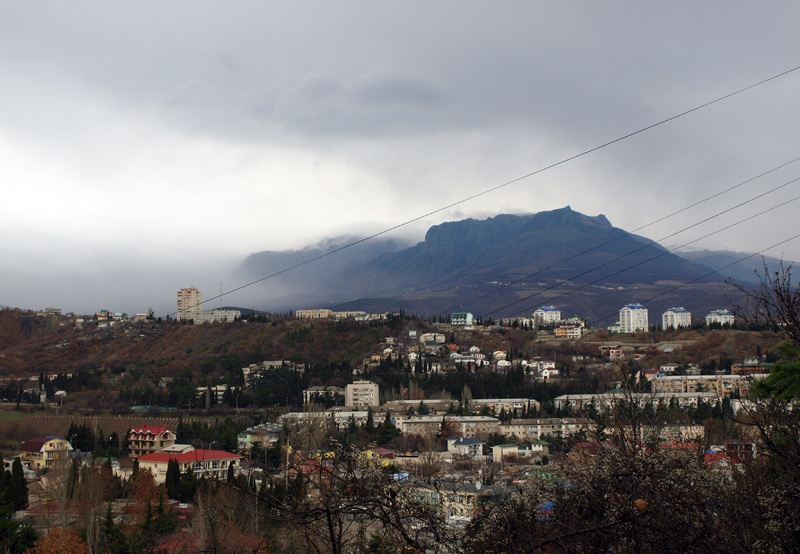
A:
(33, 445)
(149, 429)
(713, 458)
(193, 456)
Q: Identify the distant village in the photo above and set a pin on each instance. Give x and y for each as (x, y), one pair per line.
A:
(464, 443)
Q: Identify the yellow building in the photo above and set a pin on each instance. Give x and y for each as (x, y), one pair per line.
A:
(46, 452)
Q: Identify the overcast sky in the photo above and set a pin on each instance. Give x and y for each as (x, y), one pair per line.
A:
(148, 146)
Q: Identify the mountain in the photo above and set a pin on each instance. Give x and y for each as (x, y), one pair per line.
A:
(744, 271)
(509, 265)
(511, 247)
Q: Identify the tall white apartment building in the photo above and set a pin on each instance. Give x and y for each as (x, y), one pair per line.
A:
(723, 317)
(675, 318)
(361, 394)
(190, 308)
(190, 303)
(633, 319)
(546, 315)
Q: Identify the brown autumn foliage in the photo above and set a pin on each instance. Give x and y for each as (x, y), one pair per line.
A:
(60, 541)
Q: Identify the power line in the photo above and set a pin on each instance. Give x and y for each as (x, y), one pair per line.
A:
(662, 293)
(512, 181)
(637, 264)
(474, 196)
(626, 234)
(665, 238)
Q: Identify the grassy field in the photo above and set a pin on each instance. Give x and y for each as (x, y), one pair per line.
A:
(10, 415)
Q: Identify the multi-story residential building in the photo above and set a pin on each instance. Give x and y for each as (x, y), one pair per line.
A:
(723, 317)
(510, 406)
(633, 319)
(459, 426)
(606, 401)
(751, 366)
(546, 315)
(190, 303)
(324, 313)
(149, 439)
(46, 452)
(217, 316)
(203, 463)
(317, 313)
(465, 446)
(723, 385)
(568, 330)
(361, 394)
(264, 435)
(675, 318)
(461, 318)
(215, 394)
(459, 501)
(678, 432)
(536, 429)
(432, 406)
(316, 394)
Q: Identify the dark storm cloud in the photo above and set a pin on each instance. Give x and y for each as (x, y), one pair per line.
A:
(159, 125)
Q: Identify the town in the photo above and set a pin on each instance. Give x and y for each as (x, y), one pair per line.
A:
(454, 416)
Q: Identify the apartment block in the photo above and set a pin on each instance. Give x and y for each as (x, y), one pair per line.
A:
(675, 318)
(633, 319)
(361, 394)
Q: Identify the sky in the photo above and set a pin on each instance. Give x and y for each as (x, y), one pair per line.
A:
(149, 146)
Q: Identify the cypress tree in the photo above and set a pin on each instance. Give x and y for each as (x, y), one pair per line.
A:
(18, 487)
(370, 425)
(172, 480)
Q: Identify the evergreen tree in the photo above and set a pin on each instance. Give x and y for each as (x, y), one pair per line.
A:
(387, 431)
(230, 472)
(5, 479)
(17, 487)
(369, 427)
(172, 479)
(74, 475)
(188, 485)
(112, 538)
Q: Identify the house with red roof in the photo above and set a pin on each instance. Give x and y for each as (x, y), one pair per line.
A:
(720, 461)
(46, 452)
(149, 439)
(203, 463)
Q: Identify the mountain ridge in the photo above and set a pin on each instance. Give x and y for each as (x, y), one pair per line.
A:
(527, 254)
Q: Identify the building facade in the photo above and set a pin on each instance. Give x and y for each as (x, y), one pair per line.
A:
(203, 463)
(606, 401)
(723, 385)
(190, 303)
(536, 429)
(361, 394)
(190, 308)
(723, 317)
(46, 452)
(461, 318)
(546, 315)
(633, 319)
(459, 426)
(149, 439)
(675, 318)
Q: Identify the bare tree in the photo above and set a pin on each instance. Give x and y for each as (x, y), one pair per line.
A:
(776, 302)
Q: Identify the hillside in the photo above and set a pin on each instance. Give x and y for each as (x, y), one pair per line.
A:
(744, 272)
